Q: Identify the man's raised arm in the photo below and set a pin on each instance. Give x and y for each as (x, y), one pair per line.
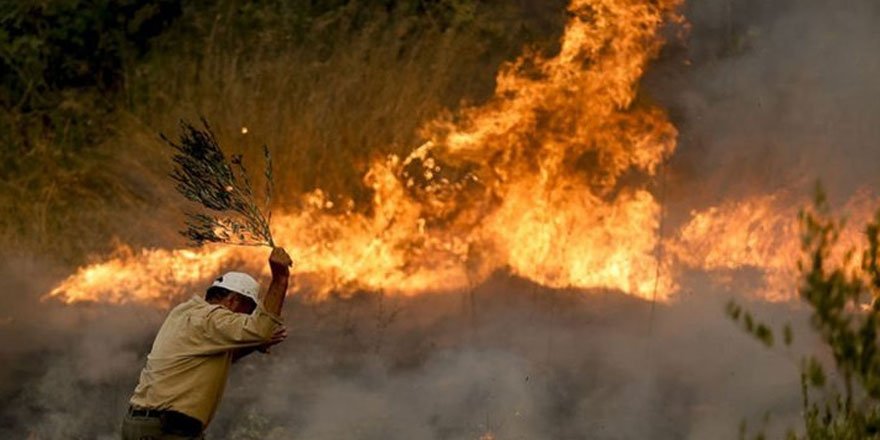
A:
(280, 264)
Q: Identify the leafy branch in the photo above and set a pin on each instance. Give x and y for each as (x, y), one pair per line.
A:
(204, 175)
(845, 302)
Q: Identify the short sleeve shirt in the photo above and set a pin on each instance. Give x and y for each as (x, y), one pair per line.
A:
(187, 367)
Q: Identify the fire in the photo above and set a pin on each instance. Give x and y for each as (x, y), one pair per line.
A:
(551, 147)
(155, 276)
(530, 181)
(761, 232)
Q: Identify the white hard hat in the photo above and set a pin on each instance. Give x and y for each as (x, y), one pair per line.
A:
(239, 282)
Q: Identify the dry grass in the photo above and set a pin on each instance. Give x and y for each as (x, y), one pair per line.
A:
(325, 107)
(326, 93)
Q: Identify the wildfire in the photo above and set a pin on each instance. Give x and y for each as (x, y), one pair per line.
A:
(761, 233)
(155, 276)
(529, 181)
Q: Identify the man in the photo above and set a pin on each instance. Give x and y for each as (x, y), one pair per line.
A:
(183, 380)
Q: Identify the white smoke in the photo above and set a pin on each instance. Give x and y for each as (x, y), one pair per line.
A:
(778, 94)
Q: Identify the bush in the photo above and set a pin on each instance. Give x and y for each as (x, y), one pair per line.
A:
(61, 64)
(844, 299)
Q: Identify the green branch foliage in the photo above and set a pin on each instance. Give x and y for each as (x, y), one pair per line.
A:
(845, 303)
(204, 175)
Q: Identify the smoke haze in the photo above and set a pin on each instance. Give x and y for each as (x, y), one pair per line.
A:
(777, 95)
(510, 359)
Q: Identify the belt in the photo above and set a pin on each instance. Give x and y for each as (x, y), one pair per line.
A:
(144, 412)
(173, 422)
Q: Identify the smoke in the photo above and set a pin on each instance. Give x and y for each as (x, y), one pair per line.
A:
(519, 361)
(64, 368)
(510, 359)
(777, 95)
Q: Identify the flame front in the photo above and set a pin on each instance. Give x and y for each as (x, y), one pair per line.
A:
(530, 181)
(762, 232)
(154, 276)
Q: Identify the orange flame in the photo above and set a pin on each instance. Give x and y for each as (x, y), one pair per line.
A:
(529, 181)
(763, 233)
(155, 276)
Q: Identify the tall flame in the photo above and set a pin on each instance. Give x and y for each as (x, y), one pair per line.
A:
(530, 181)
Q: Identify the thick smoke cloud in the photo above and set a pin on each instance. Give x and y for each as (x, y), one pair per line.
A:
(510, 358)
(777, 95)
(528, 363)
(64, 368)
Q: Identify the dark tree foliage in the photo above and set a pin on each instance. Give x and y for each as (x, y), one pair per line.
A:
(60, 60)
(52, 45)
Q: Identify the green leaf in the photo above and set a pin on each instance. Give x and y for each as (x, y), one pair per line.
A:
(815, 373)
(764, 334)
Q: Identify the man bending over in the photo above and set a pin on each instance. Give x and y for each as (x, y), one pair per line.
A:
(183, 380)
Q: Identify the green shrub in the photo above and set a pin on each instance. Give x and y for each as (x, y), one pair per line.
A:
(844, 299)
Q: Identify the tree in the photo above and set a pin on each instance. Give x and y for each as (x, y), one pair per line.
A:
(843, 294)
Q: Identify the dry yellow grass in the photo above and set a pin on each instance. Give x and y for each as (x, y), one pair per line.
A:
(325, 97)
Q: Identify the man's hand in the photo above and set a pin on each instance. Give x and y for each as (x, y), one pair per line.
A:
(279, 261)
(279, 336)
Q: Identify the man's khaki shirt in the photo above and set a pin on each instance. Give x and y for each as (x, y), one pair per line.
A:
(187, 367)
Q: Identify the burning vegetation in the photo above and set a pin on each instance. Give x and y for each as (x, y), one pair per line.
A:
(497, 248)
(556, 178)
(529, 180)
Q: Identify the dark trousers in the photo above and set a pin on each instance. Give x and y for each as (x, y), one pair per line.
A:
(149, 428)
